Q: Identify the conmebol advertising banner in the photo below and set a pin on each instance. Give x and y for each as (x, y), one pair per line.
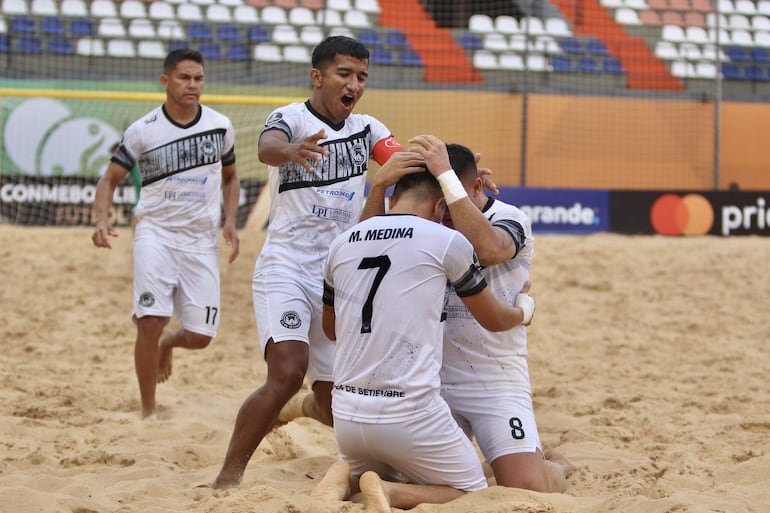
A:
(577, 211)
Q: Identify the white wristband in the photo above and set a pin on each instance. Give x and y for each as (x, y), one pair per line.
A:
(527, 305)
(451, 186)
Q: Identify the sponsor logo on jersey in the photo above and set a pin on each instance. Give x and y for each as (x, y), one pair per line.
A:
(146, 299)
(184, 196)
(188, 179)
(291, 320)
(336, 193)
(335, 214)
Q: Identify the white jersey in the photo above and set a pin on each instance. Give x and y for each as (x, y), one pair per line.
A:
(387, 280)
(308, 209)
(475, 358)
(181, 168)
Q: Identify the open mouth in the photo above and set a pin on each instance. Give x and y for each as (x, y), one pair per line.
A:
(348, 100)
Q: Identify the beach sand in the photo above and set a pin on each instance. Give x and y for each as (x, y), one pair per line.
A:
(649, 358)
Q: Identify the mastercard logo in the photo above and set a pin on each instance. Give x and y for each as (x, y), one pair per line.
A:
(690, 214)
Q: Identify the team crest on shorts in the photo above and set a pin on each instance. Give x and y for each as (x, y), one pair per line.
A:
(146, 299)
(291, 320)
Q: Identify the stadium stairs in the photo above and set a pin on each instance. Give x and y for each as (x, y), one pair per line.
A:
(644, 71)
(443, 59)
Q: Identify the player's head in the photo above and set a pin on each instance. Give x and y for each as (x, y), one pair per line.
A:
(463, 161)
(182, 78)
(419, 194)
(339, 73)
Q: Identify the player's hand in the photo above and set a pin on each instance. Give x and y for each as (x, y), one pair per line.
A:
(433, 151)
(102, 233)
(485, 174)
(527, 305)
(230, 233)
(308, 150)
(399, 164)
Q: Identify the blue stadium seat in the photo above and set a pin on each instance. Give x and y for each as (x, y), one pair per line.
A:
(732, 72)
(177, 45)
(588, 65)
(81, 27)
(30, 44)
(756, 73)
(199, 31)
(759, 54)
(562, 64)
(410, 58)
(381, 56)
(238, 52)
(23, 25)
(210, 51)
(5, 43)
(60, 46)
(258, 34)
(370, 37)
(228, 32)
(596, 47)
(52, 25)
(395, 38)
(612, 66)
(571, 45)
(737, 54)
(471, 41)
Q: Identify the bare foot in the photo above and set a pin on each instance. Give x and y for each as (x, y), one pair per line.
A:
(293, 409)
(375, 497)
(165, 349)
(335, 485)
(561, 460)
(225, 481)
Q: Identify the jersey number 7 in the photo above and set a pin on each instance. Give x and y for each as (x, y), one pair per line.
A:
(382, 264)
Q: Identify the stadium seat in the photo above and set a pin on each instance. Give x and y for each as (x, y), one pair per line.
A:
(29, 44)
(5, 44)
(15, 7)
(762, 38)
(43, 8)
(238, 52)
(81, 27)
(60, 46)
(370, 37)
(506, 24)
(745, 7)
(587, 64)
(218, 13)
(189, 12)
(313, 5)
(74, 8)
(612, 66)
(122, 48)
(637, 5)
(690, 51)
(682, 69)
(519, 43)
(160, 10)
(228, 32)
(141, 28)
(311, 35)
(199, 31)
(395, 38)
(657, 5)
(130, 9)
(177, 45)
(90, 47)
(532, 25)
(286, 4)
(111, 27)
(760, 22)
(210, 51)
(409, 57)
(341, 31)
(357, 19)
(732, 71)
(52, 25)
(763, 7)
(510, 61)
(285, 35)
(702, 6)
(756, 73)
(382, 56)
(257, 34)
(557, 27)
(470, 41)
(23, 24)
(697, 35)
(596, 47)
(741, 37)
(571, 45)
(759, 54)
(339, 5)
(103, 9)
(707, 70)
(267, 52)
(481, 23)
(231, 3)
(150, 50)
(673, 33)
(667, 50)
(495, 41)
(737, 54)
(170, 29)
(329, 18)
(650, 18)
(738, 21)
(245, 14)
(273, 15)
(694, 19)
(562, 64)
(484, 59)
(547, 44)
(627, 16)
(368, 6)
(672, 18)
(296, 53)
(537, 62)
(301, 16)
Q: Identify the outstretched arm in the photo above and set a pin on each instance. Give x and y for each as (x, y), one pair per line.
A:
(275, 149)
(231, 192)
(105, 189)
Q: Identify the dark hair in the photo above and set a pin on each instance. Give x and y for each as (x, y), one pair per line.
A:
(421, 183)
(182, 54)
(463, 161)
(332, 46)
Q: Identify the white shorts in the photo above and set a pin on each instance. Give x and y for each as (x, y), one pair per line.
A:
(429, 450)
(169, 280)
(291, 309)
(503, 421)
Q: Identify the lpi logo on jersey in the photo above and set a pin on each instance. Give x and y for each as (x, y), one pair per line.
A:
(291, 320)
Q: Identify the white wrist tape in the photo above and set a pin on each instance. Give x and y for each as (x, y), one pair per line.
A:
(527, 305)
(451, 186)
